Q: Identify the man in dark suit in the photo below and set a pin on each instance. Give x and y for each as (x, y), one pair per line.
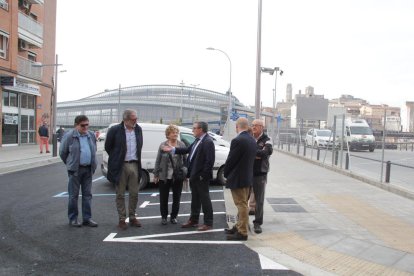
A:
(123, 144)
(239, 173)
(200, 162)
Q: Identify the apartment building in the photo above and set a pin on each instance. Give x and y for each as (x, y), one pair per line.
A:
(27, 41)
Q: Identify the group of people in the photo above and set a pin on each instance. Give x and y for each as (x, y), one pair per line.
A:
(246, 167)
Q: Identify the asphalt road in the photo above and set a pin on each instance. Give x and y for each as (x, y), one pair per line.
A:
(35, 238)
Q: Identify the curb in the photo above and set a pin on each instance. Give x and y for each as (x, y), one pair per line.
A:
(25, 166)
(387, 187)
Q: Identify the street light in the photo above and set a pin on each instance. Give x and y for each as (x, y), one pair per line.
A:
(54, 117)
(272, 71)
(194, 97)
(230, 98)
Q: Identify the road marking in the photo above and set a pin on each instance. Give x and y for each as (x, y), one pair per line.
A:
(65, 194)
(144, 239)
(154, 194)
(179, 215)
(144, 204)
(99, 178)
(267, 263)
(181, 202)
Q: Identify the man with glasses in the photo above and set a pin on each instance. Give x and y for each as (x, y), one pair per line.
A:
(78, 151)
(260, 170)
(200, 162)
(123, 144)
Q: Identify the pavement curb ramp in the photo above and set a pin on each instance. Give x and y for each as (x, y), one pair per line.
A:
(385, 186)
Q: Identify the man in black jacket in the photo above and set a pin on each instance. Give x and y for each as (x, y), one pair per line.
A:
(123, 144)
(239, 173)
(260, 170)
(200, 162)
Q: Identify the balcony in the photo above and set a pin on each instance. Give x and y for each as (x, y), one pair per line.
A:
(25, 68)
(30, 30)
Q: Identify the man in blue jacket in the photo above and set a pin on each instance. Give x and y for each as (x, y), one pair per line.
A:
(239, 173)
(123, 144)
(78, 150)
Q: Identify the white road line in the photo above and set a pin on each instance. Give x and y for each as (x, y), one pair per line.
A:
(175, 234)
(154, 194)
(180, 215)
(61, 194)
(267, 263)
(144, 204)
(99, 178)
(157, 203)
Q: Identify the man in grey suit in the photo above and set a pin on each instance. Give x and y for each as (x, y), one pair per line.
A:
(239, 173)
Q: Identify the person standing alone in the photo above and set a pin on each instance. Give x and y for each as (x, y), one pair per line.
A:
(260, 170)
(239, 173)
(77, 151)
(123, 144)
(44, 137)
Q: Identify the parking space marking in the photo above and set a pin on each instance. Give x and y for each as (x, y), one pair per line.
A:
(144, 239)
(179, 215)
(144, 204)
(181, 202)
(99, 178)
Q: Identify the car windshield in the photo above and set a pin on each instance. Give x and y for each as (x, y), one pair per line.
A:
(323, 133)
(361, 130)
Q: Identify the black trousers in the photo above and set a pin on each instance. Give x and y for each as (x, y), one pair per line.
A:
(200, 197)
(177, 187)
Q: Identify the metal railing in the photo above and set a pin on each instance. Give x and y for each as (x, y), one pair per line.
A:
(25, 68)
(30, 25)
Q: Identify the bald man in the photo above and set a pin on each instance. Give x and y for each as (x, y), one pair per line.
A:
(261, 167)
(239, 173)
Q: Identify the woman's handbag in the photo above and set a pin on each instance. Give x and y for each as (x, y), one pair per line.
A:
(178, 173)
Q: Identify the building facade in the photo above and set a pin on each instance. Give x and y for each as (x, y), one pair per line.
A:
(27, 38)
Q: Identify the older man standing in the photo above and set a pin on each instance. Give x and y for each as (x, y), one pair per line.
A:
(77, 151)
(123, 144)
(239, 173)
(260, 170)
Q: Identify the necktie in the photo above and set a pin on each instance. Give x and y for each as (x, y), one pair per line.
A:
(193, 148)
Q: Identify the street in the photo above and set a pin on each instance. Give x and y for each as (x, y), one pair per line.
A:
(36, 238)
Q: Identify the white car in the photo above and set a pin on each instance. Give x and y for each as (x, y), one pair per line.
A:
(153, 135)
(319, 138)
(102, 136)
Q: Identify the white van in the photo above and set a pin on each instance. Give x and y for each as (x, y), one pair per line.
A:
(359, 135)
(154, 135)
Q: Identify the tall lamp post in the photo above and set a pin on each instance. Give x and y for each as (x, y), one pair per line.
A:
(230, 100)
(272, 71)
(194, 97)
(54, 117)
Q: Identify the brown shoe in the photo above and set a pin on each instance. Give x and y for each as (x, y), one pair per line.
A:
(189, 224)
(134, 222)
(252, 213)
(122, 224)
(204, 227)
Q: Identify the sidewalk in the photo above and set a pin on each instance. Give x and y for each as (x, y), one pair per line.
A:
(320, 222)
(317, 221)
(16, 158)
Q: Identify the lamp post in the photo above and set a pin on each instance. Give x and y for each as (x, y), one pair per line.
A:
(230, 97)
(194, 97)
(272, 71)
(54, 112)
(181, 105)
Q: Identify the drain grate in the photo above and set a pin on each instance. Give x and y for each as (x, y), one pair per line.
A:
(285, 205)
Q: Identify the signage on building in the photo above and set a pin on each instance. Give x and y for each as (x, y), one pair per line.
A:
(30, 88)
(13, 84)
(11, 119)
(7, 81)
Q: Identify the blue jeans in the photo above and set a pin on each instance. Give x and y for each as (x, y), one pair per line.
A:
(83, 180)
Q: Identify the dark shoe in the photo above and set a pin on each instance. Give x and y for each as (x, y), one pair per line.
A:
(252, 213)
(134, 222)
(236, 237)
(90, 223)
(47, 151)
(122, 224)
(204, 227)
(257, 228)
(174, 221)
(74, 223)
(164, 221)
(189, 224)
(230, 231)
(41, 152)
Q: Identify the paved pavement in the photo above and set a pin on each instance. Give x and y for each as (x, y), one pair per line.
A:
(317, 221)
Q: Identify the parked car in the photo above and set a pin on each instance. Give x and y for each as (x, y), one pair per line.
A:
(102, 136)
(153, 135)
(218, 140)
(319, 138)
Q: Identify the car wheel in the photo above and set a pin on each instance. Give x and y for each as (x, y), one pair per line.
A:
(371, 149)
(143, 182)
(221, 180)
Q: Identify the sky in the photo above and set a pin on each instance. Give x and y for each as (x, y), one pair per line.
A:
(363, 48)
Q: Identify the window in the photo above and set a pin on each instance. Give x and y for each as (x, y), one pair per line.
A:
(13, 99)
(4, 44)
(5, 98)
(31, 56)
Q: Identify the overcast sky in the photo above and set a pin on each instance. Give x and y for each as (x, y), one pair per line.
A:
(364, 48)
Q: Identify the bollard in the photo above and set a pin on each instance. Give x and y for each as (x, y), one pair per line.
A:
(336, 157)
(318, 152)
(304, 149)
(289, 147)
(347, 161)
(412, 146)
(388, 172)
(278, 144)
(282, 146)
(298, 148)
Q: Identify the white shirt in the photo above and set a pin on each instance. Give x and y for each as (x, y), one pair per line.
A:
(131, 143)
